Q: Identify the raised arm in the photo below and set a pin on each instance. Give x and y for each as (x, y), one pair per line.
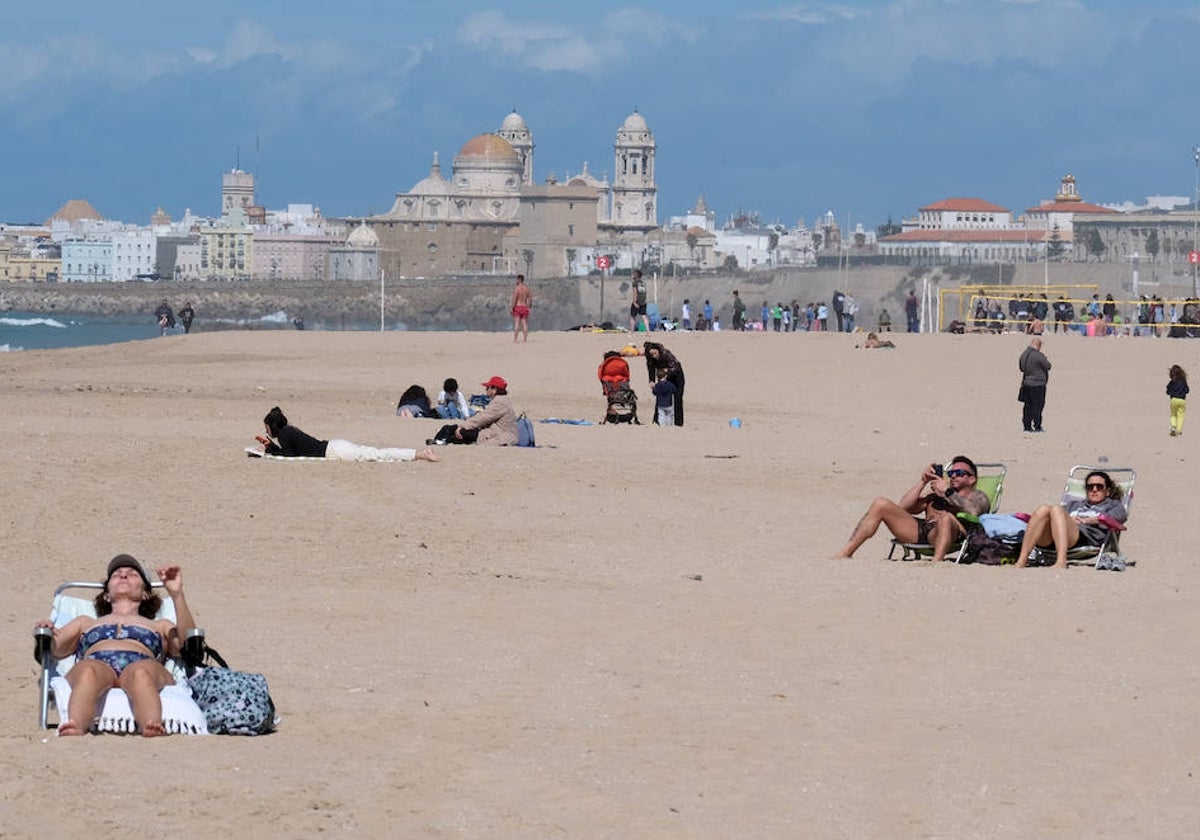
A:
(172, 578)
(911, 501)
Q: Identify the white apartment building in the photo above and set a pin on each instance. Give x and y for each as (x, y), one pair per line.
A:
(87, 260)
(134, 253)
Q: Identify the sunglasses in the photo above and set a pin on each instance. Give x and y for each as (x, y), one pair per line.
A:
(1097, 486)
(957, 473)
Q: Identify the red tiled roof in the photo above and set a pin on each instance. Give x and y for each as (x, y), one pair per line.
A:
(74, 210)
(965, 205)
(1069, 207)
(967, 236)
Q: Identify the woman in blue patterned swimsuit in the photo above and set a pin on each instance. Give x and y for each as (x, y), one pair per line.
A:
(124, 646)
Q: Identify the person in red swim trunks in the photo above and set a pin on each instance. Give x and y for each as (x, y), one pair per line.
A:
(522, 302)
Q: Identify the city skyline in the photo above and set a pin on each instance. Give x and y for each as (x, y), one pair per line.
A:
(866, 109)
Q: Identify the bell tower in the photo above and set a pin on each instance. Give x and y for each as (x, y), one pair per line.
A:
(518, 135)
(634, 193)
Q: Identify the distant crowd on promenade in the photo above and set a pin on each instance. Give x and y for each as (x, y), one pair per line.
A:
(1147, 316)
(839, 315)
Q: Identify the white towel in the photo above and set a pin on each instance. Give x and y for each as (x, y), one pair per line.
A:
(181, 715)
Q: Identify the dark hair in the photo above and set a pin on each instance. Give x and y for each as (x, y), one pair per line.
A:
(450, 384)
(413, 395)
(963, 459)
(274, 421)
(148, 608)
(1114, 489)
(1177, 374)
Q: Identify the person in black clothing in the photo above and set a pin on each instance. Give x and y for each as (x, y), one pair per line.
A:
(165, 317)
(659, 357)
(414, 402)
(1064, 313)
(294, 443)
(186, 315)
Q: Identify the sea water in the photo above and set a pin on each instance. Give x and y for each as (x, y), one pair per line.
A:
(34, 331)
(37, 331)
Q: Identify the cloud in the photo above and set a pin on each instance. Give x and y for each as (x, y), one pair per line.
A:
(549, 46)
(808, 15)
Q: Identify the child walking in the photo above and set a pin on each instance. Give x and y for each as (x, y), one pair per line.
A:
(664, 399)
(1177, 390)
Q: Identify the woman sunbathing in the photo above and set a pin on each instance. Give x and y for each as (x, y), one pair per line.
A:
(293, 443)
(1079, 522)
(124, 647)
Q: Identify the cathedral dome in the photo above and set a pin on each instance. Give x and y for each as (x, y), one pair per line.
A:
(433, 183)
(488, 147)
(514, 122)
(634, 122)
(362, 237)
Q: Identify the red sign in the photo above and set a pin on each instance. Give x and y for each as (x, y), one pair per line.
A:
(603, 262)
(1194, 257)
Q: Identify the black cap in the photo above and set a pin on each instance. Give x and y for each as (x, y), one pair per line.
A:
(127, 561)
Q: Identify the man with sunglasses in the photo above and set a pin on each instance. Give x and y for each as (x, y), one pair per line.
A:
(939, 497)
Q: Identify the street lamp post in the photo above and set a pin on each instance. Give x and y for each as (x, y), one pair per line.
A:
(1195, 213)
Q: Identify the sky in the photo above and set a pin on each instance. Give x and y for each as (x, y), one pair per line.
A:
(867, 109)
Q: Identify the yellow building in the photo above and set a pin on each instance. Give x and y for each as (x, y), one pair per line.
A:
(19, 266)
(226, 253)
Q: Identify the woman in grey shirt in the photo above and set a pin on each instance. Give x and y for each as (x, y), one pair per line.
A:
(1084, 521)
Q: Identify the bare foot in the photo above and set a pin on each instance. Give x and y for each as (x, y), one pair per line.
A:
(428, 455)
(153, 729)
(69, 727)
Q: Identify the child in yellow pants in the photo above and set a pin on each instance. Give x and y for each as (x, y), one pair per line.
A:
(1177, 390)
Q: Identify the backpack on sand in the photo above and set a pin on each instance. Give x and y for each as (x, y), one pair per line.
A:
(525, 435)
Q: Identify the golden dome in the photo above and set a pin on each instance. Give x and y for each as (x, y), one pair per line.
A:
(488, 146)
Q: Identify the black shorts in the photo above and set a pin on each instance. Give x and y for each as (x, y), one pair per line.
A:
(636, 309)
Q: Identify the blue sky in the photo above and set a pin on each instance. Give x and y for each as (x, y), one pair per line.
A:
(868, 109)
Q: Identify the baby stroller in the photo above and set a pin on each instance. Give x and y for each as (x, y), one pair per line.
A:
(614, 380)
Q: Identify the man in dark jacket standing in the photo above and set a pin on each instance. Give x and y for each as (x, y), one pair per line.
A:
(1035, 373)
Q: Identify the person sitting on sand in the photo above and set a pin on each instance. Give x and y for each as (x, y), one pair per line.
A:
(293, 443)
(124, 646)
(1084, 521)
(873, 342)
(451, 402)
(939, 497)
(495, 425)
(414, 402)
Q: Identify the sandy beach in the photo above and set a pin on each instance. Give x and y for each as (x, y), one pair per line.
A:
(629, 632)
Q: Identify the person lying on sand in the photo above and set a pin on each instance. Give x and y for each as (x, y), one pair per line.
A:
(291, 442)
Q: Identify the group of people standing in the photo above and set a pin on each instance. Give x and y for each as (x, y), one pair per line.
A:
(164, 316)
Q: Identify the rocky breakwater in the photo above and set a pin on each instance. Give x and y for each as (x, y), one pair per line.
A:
(463, 303)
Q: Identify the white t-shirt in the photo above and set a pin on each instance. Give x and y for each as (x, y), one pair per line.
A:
(460, 399)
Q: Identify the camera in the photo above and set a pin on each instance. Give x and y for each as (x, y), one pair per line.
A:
(939, 470)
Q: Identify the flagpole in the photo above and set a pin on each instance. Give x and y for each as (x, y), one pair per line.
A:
(381, 286)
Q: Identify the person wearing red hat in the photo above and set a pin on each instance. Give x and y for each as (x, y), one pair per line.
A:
(495, 425)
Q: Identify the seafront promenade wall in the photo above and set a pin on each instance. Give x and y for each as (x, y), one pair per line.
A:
(482, 303)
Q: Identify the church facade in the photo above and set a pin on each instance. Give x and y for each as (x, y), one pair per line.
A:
(490, 216)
